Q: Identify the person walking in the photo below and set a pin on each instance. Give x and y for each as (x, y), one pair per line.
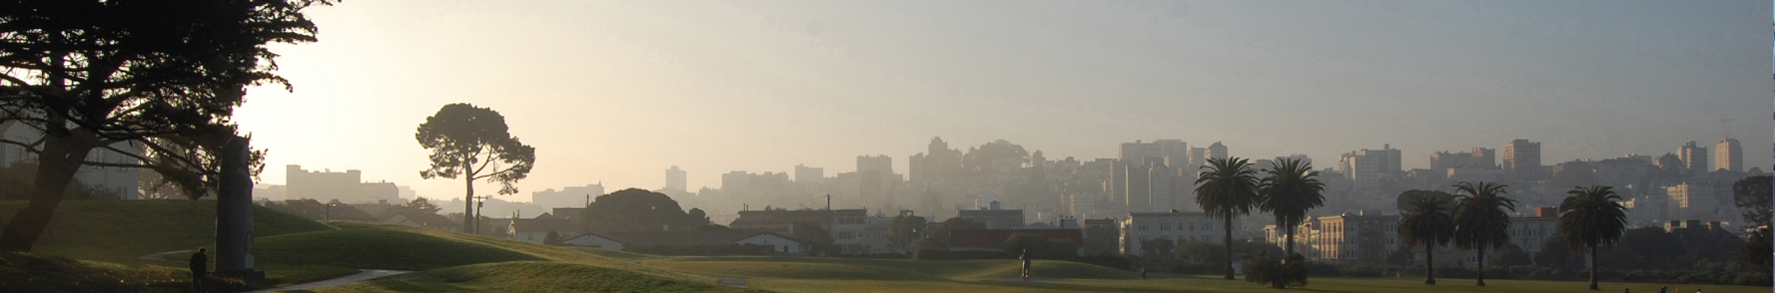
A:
(1025, 255)
(199, 267)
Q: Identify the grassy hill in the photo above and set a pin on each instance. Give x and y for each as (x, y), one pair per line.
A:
(119, 231)
(531, 276)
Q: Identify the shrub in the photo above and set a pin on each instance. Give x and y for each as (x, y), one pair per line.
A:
(1277, 273)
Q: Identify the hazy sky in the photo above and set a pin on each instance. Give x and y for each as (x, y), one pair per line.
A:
(618, 91)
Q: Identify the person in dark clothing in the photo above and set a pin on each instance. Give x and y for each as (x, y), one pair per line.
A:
(199, 267)
(1026, 257)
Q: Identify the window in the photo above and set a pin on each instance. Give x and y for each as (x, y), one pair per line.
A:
(1141, 227)
(1165, 226)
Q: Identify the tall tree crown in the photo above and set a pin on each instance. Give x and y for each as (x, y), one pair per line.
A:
(1592, 216)
(1290, 190)
(1480, 217)
(466, 140)
(1227, 187)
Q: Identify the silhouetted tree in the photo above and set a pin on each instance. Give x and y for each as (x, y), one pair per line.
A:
(942, 233)
(161, 77)
(1510, 255)
(905, 230)
(1756, 252)
(1481, 222)
(553, 238)
(636, 209)
(1555, 252)
(1753, 197)
(1288, 192)
(423, 205)
(1427, 224)
(1590, 218)
(465, 140)
(1227, 188)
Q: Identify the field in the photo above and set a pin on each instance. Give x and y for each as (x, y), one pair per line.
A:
(96, 243)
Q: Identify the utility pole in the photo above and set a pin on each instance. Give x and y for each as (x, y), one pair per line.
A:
(832, 225)
(480, 202)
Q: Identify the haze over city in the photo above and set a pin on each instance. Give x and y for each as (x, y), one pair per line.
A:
(887, 146)
(618, 91)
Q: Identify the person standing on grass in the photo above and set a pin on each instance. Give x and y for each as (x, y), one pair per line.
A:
(199, 265)
(1025, 255)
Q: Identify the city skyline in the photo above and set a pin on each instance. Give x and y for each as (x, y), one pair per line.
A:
(631, 89)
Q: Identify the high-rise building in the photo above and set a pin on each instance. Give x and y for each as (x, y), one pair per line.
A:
(346, 187)
(881, 164)
(809, 175)
(1478, 158)
(1217, 151)
(1729, 156)
(571, 196)
(1522, 157)
(1366, 168)
(675, 179)
(1144, 174)
(1695, 158)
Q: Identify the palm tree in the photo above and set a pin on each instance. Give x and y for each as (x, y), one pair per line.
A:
(1590, 218)
(1288, 192)
(1427, 221)
(1227, 188)
(1481, 221)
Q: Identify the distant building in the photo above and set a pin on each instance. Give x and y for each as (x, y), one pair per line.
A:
(846, 226)
(1178, 227)
(1729, 156)
(1101, 236)
(326, 186)
(1522, 158)
(995, 218)
(690, 240)
(1695, 158)
(1358, 239)
(1366, 168)
(675, 179)
(1691, 200)
(572, 196)
(1478, 158)
(124, 181)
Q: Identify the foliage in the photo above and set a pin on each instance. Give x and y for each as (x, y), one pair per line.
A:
(1509, 255)
(465, 140)
(26, 272)
(1753, 197)
(1644, 248)
(1040, 248)
(164, 76)
(1288, 192)
(905, 230)
(553, 239)
(942, 231)
(636, 209)
(1400, 258)
(1756, 252)
(1590, 218)
(1480, 220)
(1556, 253)
(16, 184)
(423, 205)
(1427, 224)
(1199, 251)
(1227, 188)
(530, 276)
(1157, 247)
(1291, 272)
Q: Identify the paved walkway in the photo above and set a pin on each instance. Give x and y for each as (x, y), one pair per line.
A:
(732, 281)
(360, 276)
(163, 255)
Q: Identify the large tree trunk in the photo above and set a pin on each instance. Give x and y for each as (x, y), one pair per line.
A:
(1594, 267)
(56, 165)
(1228, 230)
(1480, 262)
(1430, 266)
(1289, 242)
(470, 219)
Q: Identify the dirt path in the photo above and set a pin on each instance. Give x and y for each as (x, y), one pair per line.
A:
(360, 276)
(733, 281)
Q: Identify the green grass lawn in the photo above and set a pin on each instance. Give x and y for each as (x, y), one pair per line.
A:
(103, 238)
(531, 276)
